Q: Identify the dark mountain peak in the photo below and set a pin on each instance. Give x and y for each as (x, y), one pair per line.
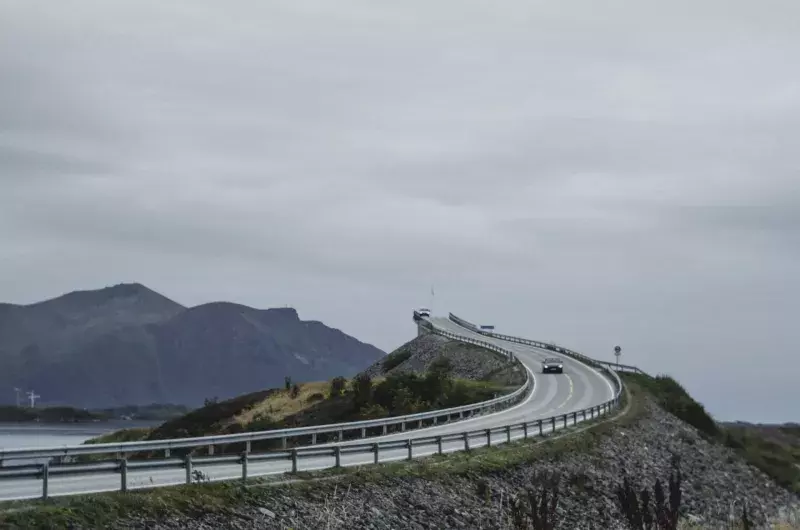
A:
(218, 310)
(231, 314)
(167, 352)
(288, 313)
(211, 307)
(108, 295)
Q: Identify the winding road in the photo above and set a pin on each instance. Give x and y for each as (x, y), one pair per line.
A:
(579, 387)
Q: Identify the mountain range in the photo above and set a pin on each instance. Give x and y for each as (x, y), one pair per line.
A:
(128, 345)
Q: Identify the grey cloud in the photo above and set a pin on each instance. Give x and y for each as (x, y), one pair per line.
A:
(626, 175)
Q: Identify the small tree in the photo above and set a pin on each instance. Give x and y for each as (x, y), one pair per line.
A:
(295, 391)
(362, 390)
(442, 367)
(437, 380)
(337, 386)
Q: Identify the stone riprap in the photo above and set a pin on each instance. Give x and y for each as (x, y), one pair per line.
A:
(715, 479)
(469, 361)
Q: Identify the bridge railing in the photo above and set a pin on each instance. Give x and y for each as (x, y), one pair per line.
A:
(548, 346)
(360, 429)
(337, 456)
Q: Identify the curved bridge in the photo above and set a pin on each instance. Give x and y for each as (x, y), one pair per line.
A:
(547, 402)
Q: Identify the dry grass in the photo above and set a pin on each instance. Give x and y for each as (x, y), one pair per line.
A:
(281, 405)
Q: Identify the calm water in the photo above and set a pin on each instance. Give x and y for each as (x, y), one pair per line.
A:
(21, 435)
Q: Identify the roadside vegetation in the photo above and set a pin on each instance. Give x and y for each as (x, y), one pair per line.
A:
(776, 451)
(319, 403)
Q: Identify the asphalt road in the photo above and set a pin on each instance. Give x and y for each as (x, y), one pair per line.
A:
(577, 388)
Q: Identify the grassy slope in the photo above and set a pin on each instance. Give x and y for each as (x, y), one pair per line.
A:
(777, 453)
(275, 408)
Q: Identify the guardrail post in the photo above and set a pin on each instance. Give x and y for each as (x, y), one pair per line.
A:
(166, 452)
(439, 444)
(123, 474)
(508, 433)
(248, 446)
(313, 438)
(294, 460)
(466, 441)
(363, 432)
(525, 430)
(574, 418)
(211, 450)
(541, 429)
(337, 453)
(402, 426)
(244, 466)
(385, 428)
(187, 462)
(583, 414)
(488, 437)
(45, 479)
(435, 422)
(410, 445)
(565, 421)
(376, 448)
(341, 435)
(283, 442)
(553, 420)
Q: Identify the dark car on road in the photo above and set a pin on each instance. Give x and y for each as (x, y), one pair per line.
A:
(552, 365)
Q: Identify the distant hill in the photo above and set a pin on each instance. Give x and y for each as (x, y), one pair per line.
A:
(128, 345)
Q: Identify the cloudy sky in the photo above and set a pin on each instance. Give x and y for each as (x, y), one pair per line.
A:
(626, 175)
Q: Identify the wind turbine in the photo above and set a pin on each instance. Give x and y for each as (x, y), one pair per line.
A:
(33, 396)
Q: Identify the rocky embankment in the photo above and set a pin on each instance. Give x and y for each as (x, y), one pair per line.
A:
(714, 480)
(468, 361)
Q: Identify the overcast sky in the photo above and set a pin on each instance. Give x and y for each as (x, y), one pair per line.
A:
(594, 176)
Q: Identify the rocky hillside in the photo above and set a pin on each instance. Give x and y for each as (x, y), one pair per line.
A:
(468, 361)
(127, 345)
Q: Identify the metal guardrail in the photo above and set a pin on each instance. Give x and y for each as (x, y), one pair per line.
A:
(339, 429)
(122, 465)
(547, 346)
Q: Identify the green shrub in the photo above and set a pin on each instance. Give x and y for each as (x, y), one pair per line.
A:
(338, 385)
(673, 398)
(777, 460)
(362, 391)
(394, 360)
